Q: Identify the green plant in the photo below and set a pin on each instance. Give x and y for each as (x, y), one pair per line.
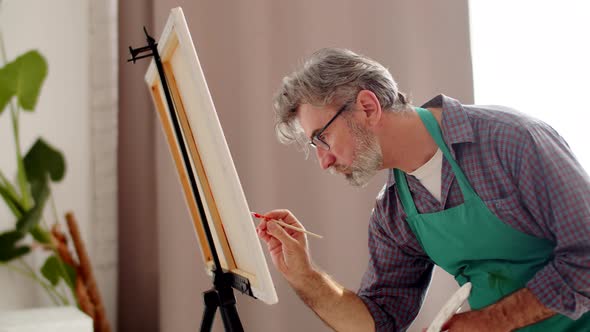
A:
(20, 84)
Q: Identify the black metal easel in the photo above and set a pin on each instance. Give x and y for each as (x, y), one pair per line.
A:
(221, 295)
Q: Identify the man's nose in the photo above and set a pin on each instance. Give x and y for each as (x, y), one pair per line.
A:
(325, 158)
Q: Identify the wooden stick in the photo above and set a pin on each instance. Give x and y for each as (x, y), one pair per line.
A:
(83, 299)
(101, 323)
(81, 293)
(60, 242)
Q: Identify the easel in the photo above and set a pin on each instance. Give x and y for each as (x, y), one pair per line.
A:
(221, 295)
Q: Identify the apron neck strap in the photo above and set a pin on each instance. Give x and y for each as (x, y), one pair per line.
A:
(434, 129)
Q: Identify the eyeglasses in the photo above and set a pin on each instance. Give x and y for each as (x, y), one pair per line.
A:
(316, 139)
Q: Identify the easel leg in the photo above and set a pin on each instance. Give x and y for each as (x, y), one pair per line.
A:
(229, 313)
(225, 300)
(211, 303)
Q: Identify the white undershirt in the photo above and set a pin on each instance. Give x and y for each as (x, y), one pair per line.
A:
(429, 174)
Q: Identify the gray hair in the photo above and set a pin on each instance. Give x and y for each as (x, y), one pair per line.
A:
(328, 76)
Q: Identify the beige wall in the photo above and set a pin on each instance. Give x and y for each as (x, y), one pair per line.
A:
(245, 47)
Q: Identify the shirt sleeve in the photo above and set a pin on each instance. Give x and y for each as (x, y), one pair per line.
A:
(555, 189)
(394, 285)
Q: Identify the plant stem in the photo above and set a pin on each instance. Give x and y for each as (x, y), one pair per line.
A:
(7, 183)
(53, 206)
(25, 272)
(12, 192)
(60, 262)
(2, 49)
(50, 289)
(21, 171)
(55, 215)
(4, 60)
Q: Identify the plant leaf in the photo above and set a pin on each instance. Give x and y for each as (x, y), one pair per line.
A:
(8, 73)
(42, 158)
(8, 239)
(52, 271)
(8, 248)
(12, 201)
(23, 183)
(33, 70)
(5, 94)
(23, 78)
(71, 277)
(41, 235)
(13, 253)
(31, 218)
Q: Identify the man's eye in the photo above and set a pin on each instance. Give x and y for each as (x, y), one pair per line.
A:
(322, 137)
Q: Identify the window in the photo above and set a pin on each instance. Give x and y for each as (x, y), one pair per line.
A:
(535, 56)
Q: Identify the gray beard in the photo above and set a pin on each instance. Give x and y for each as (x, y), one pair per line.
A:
(367, 158)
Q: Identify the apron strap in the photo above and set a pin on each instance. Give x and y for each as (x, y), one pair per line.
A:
(404, 193)
(400, 177)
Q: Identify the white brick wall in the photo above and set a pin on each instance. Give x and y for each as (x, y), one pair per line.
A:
(103, 101)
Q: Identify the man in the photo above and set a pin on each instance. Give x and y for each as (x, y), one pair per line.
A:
(494, 197)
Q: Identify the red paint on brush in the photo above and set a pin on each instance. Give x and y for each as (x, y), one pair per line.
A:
(259, 216)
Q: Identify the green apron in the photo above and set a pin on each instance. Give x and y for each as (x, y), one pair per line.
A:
(472, 244)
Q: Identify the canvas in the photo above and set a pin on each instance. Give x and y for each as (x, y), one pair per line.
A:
(209, 160)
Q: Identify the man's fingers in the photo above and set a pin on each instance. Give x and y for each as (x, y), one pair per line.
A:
(273, 243)
(262, 224)
(278, 214)
(283, 215)
(280, 234)
(264, 236)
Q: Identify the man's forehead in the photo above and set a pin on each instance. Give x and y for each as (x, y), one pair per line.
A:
(312, 118)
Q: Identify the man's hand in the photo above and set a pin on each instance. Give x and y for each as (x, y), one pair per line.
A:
(338, 307)
(288, 248)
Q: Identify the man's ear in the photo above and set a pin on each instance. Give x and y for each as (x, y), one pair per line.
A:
(368, 103)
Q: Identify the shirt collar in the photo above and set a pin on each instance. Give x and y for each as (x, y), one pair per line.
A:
(455, 124)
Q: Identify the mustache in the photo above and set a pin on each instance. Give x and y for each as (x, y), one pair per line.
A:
(339, 169)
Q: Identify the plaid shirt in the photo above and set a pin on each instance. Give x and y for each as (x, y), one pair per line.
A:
(526, 175)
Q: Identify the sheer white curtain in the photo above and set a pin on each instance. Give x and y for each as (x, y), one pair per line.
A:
(535, 56)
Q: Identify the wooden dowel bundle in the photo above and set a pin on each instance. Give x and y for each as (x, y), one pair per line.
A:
(86, 289)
